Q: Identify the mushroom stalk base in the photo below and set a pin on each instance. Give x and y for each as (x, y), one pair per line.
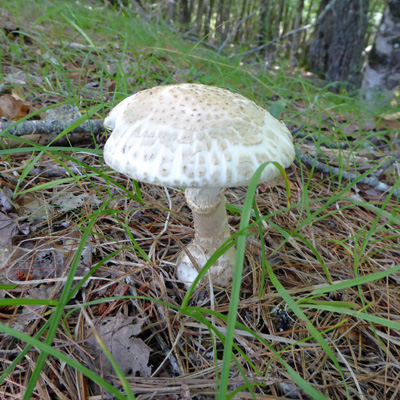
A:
(211, 231)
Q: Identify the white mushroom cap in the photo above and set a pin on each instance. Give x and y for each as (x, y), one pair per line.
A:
(194, 136)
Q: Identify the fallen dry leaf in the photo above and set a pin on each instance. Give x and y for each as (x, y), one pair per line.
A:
(8, 227)
(118, 334)
(18, 93)
(32, 208)
(5, 199)
(13, 108)
(48, 259)
(69, 201)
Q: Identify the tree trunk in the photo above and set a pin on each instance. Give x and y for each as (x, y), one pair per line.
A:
(296, 37)
(287, 17)
(238, 35)
(171, 11)
(262, 32)
(227, 17)
(199, 16)
(269, 52)
(382, 71)
(223, 18)
(303, 36)
(268, 14)
(191, 7)
(278, 20)
(336, 47)
(220, 19)
(184, 17)
(248, 24)
(207, 20)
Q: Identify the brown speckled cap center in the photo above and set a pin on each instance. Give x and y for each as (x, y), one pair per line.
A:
(191, 135)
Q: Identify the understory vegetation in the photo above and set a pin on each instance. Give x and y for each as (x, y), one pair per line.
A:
(89, 301)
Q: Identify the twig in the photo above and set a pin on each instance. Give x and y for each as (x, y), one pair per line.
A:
(372, 181)
(387, 165)
(45, 132)
(50, 127)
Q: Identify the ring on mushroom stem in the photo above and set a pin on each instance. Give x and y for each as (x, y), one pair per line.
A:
(202, 138)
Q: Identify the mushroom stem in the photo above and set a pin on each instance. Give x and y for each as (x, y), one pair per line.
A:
(211, 230)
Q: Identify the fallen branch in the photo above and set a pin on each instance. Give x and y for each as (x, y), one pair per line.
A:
(50, 127)
(372, 181)
(45, 132)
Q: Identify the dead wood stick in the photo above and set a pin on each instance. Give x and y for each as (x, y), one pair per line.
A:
(51, 127)
(372, 181)
(387, 165)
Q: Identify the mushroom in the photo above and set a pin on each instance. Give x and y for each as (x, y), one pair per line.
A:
(202, 138)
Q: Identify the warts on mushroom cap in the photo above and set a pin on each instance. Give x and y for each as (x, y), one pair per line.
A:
(193, 135)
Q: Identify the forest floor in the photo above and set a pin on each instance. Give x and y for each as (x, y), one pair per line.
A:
(87, 256)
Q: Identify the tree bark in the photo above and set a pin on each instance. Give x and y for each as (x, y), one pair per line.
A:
(51, 127)
(238, 34)
(303, 42)
(207, 21)
(382, 71)
(46, 131)
(227, 16)
(336, 47)
(184, 15)
(171, 11)
(199, 16)
(263, 30)
(269, 52)
(220, 19)
(296, 37)
(223, 18)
